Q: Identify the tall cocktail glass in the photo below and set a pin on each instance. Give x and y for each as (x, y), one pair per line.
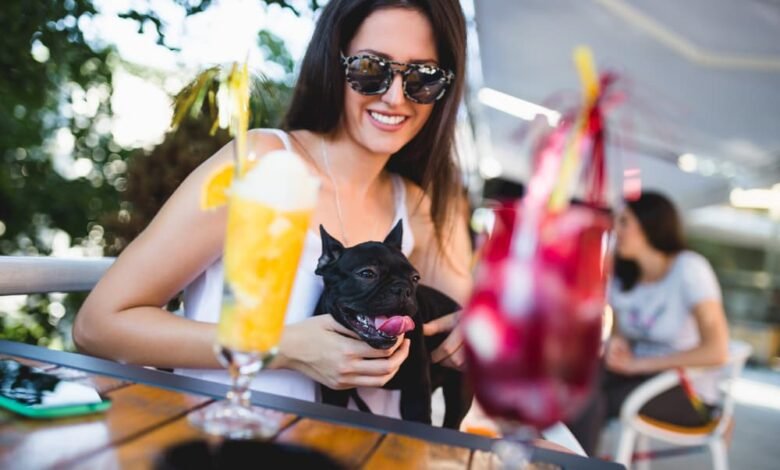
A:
(269, 210)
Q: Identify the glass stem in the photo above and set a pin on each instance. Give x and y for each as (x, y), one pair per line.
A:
(239, 393)
(514, 449)
(517, 432)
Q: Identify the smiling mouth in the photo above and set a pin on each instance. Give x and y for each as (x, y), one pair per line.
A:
(388, 119)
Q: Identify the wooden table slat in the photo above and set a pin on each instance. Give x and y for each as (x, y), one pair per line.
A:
(348, 445)
(401, 452)
(26, 443)
(481, 460)
(142, 452)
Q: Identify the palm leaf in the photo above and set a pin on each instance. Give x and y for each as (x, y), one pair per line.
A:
(190, 99)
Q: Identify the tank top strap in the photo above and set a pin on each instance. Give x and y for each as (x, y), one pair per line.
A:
(284, 137)
(399, 196)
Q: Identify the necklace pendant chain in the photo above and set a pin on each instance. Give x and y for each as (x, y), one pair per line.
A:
(339, 210)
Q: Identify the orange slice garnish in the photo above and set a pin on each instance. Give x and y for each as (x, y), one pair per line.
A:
(214, 193)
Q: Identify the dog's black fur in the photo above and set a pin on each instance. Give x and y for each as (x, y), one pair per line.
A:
(375, 279)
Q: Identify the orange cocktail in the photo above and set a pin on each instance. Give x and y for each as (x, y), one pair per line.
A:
(269, 209)
(268, 216)
(262, 248)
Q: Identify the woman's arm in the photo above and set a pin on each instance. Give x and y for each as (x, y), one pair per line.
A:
(123, 318)
(711, 351)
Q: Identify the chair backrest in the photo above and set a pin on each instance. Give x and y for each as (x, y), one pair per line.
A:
(739, 353)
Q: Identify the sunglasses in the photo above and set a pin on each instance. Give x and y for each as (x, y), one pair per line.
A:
(372, 75)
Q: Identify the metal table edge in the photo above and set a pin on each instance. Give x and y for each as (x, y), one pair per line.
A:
(301, 408)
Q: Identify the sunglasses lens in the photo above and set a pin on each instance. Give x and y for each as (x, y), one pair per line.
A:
(367, 75)
(425, 85)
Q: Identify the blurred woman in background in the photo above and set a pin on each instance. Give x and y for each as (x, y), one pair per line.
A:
(668, 314)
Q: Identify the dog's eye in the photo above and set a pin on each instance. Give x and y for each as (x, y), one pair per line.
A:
(367, 274)
(416, 278)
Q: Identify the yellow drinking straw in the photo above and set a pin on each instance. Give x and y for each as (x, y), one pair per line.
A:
(238, 96)
(586, 67)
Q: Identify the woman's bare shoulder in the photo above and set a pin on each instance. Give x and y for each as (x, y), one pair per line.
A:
(260, 142)
(263, 141)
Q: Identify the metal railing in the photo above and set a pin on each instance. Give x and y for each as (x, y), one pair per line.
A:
(35, 275)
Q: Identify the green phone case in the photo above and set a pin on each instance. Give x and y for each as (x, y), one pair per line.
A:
(54, 412)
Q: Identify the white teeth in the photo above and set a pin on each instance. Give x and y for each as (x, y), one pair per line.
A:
(390, 120)
(379, 320)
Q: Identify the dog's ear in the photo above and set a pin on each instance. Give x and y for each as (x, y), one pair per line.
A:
(331, 250)
(395, 237)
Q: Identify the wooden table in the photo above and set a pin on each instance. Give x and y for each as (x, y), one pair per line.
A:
(149, 413)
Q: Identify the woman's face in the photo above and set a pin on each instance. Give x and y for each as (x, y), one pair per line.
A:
(631, 240)
(401, 35)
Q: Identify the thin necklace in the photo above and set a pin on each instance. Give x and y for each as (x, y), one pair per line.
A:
(339, 211)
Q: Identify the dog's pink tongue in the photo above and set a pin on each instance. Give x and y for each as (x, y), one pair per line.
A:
(395, 325)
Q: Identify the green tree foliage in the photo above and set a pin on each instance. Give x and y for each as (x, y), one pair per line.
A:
(47, 72)
(47, 67)
(154, 175)
(54, 94)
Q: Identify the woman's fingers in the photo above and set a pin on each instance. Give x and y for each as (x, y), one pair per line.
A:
(618, 361)
(450, 352)
(614, 357)
(333, 355)
(441, 324)
(363, 350)
(456, 360)
(448, 347)
(371, 372)
(618, 343)
(367, 381)
(383, 366)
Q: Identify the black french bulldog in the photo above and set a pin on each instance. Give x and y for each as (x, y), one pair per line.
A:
(373, 290)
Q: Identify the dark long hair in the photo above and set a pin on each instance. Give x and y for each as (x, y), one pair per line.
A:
(318, 101)
(662, 227)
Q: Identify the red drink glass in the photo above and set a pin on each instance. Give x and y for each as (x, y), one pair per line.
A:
(533, 325)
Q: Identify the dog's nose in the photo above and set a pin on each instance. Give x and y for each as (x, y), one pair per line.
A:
(402, 291)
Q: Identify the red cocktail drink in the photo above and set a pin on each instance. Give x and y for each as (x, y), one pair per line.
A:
(533, 325)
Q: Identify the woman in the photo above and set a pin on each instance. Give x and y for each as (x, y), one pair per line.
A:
(374, 114)
(669, 314)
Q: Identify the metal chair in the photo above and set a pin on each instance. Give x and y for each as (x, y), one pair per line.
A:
(637, 430)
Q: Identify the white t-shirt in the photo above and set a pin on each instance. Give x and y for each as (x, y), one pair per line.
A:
(657, 317)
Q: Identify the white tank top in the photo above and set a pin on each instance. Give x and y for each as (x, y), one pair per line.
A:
(202, 299)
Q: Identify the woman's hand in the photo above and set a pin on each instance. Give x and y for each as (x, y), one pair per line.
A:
(450, 352)
(620, 359)
(334, 356)
(712, 351)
